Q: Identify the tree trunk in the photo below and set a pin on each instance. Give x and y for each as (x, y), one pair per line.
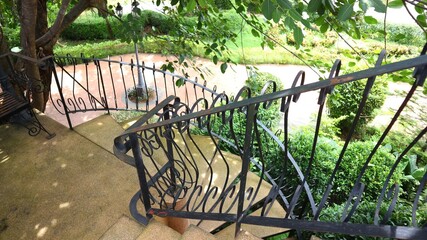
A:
(28, 19)
(41, 29)
(38, 40)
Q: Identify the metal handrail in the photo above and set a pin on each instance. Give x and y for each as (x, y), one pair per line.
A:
(364, 74)
(175, 130)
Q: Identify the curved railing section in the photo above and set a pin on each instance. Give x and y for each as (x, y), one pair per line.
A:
(91, 84)
(209, 160)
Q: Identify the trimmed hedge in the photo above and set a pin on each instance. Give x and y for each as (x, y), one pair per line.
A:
(345, 99)
(92, 27)
(327, 153)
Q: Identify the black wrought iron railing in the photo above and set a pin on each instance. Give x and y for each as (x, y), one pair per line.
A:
(204, 156)
(90, 84)
(211, 160)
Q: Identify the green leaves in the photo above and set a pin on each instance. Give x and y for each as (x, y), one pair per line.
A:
(313, 5)
(345, 12)
(224, 67)
(395, 4)
(378, 5)
(298, 36)
(370, 20)
(422, 20)
(255, 33)
(191, 5)
(285, 4)
(180, 82)
(324, 28)
(267, 9)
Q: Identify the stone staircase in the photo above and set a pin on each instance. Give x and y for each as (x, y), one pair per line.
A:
(127, 229)
(104, 129)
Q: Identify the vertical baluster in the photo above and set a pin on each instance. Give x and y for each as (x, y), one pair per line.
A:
(169, 144)
(112, 83)
(61, 95)
(101, 82)
(124, 84)
(147, 102)
(165, 83)
(250, 120)
(156, 90)
(195, 91)
(134, 83)
(362, 104)
(140, 168)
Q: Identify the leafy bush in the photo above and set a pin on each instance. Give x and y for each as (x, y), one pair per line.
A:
(162, 23)
(223, 4)
(233, 21)
(323, 164)
(375, 175)
(345, 99)
(398, 33)
(365, 215)
(257, 81)
(94, 49)
(327, 153)
(12, 36)
(90, 27)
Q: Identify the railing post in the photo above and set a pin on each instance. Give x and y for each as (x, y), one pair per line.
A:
(61, 95)
(140, 168)
(250, 119)
(168, 136)
(98, 65)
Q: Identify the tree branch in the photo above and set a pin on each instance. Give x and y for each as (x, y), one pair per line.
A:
(43, 40)
(64, 20)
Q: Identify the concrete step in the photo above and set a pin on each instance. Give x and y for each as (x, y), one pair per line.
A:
(258, 231)
(156, 230)
(202, 151)
(125, 229)
(245, 235)
(219, 167)
(194, 232)
(101, 131)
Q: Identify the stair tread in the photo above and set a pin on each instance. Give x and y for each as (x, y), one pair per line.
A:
(202, 152)
(217, 164)
(158, 231)
(194, 232)
(259, 231)
(125, 229)
(245, 235)
(101, 130)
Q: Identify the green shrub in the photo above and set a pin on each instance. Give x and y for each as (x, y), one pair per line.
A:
(162, 23)
(324, 161)
(223, 4)
(398, 33)
(375, 175)
(233, 21)
(327, 153)
(365, 215)
(12, 36)
(345, 99)
(94, 48)
(257, 81)
(90, 28)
